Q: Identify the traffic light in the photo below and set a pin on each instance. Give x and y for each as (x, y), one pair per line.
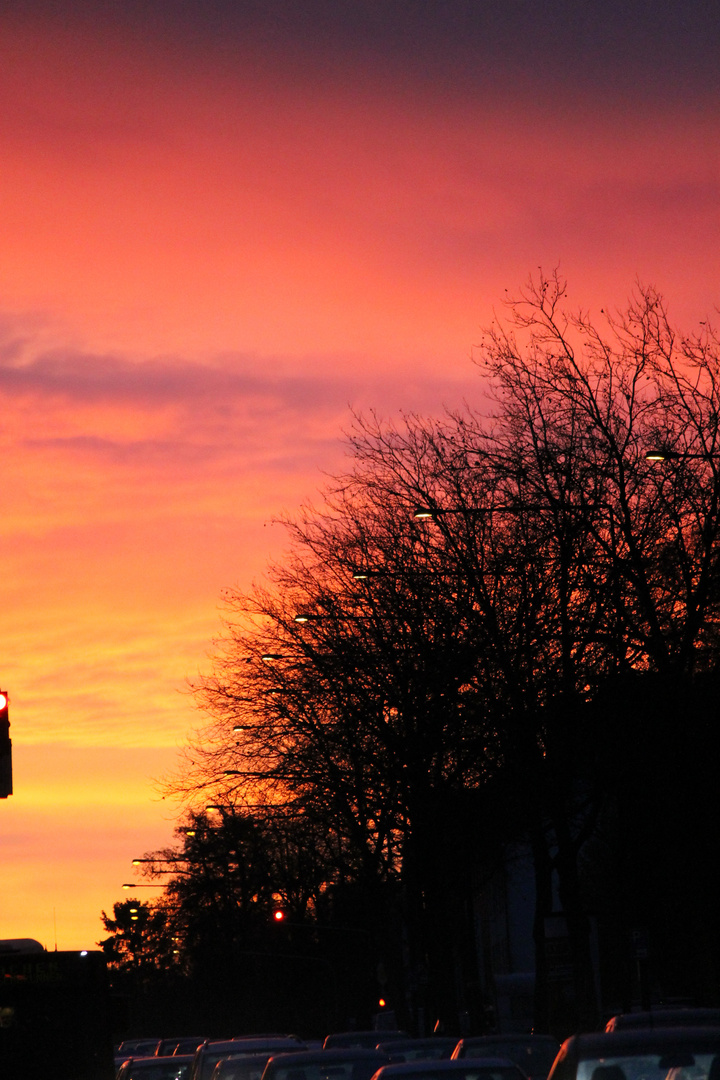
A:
(5, 748)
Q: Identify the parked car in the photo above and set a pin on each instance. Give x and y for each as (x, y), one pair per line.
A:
(169, 1067)
(452, 1069)
(369, 1039)
(534, 1054)
(665, 1018)
(640, 1054)
(434, 1047)
(339, 1063)
(208, 1055)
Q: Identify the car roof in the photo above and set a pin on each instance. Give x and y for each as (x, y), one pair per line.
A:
(427, 1040)
(638, 1040)
(250, 1059)
(269, 1035)
(222, 1044)
(520, 1037)
(345, 1038)
(159, 1059)
(684, 1017)
(263, 1042)
(335, 1053)
(402, 1068)
(177, 1039)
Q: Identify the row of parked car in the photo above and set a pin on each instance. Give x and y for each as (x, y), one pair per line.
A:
(664, 1045)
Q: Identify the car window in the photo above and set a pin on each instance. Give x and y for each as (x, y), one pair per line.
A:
(247, 1067)
(336, 1070)
(210, 1060)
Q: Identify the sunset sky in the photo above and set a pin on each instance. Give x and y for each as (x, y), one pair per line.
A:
(225, 223)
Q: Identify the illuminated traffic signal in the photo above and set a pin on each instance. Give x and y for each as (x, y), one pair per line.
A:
(5, 748)
(278, 915)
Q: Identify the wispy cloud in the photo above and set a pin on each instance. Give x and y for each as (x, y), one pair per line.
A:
(114, 407)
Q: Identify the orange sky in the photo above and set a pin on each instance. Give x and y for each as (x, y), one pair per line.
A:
(217, 235)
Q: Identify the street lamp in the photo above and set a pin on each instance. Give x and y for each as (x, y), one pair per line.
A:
(154, 862)
(255, 775)
(364, 574)
(424, 513)
(432, 513)
(660, 454)
(337, 617)
(254, 806)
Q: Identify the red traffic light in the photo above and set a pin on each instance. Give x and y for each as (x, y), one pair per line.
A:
(278, 915)
(6, 787)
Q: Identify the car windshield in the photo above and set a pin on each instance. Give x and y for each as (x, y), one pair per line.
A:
(210, 1060)
(421, 1052)
(160, 1070)
(677, 1065)
(335, 1070)
(240, 1069)
(472, 1072)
